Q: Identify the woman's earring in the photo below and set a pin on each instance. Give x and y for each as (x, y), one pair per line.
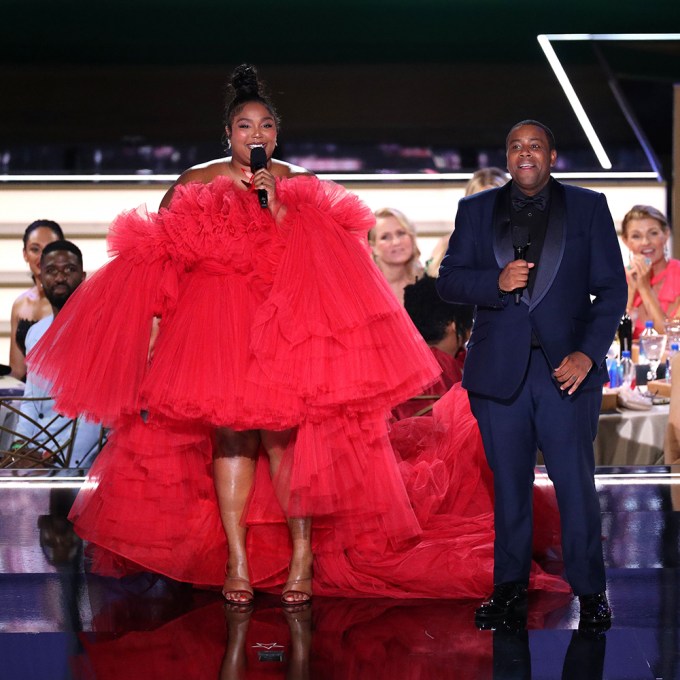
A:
(228, 143)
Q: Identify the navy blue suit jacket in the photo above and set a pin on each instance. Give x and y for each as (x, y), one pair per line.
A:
(579, 294)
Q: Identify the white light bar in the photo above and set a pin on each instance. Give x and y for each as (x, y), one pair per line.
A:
(336, 177)
(606, 175)
(88, 178)
(340, 177)
(395, 177)
(667, 478)
(41, 483)
(575, 102)
(628, 37)
(545, 40)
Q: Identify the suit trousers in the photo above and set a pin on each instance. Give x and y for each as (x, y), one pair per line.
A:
(563, 427)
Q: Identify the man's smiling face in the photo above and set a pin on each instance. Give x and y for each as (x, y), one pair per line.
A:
(529, 158)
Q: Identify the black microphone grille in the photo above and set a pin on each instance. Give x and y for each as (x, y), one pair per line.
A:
(520, 236)
(258, 158)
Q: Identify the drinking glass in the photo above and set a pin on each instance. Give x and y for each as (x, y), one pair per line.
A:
(672, 327)
(653, 347)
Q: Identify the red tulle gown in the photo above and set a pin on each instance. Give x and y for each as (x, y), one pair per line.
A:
(266, 324)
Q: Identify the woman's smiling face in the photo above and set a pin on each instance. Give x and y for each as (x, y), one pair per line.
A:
(648, 238)
(35, 243)
(253, 125)
(393, 244)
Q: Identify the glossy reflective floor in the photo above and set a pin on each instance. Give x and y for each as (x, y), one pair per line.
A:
(57, 621)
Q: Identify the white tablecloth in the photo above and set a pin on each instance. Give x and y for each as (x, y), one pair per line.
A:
(631, 437)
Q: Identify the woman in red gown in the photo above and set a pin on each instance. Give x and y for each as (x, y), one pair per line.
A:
(222, 330)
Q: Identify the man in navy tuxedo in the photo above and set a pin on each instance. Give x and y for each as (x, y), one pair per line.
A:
(541, 262)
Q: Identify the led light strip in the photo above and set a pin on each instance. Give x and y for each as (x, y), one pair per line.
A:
(339, 177)
(628, 37)
(642, 479)
(544, 41)
(37, 483)
(601, 480)
(575, 102)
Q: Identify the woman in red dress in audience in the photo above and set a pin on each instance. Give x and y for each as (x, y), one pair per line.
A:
(250, 418)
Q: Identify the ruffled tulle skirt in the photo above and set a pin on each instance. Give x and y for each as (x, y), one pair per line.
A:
(420, 525)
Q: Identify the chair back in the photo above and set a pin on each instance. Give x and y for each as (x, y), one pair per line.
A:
(50, 447)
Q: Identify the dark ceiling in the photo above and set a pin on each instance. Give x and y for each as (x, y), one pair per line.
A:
(455, 73)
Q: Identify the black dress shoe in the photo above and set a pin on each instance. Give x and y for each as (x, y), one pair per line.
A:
(595, 609)
(508, 601)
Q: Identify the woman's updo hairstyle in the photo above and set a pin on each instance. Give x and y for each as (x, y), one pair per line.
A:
(49, 224)
(247, 88)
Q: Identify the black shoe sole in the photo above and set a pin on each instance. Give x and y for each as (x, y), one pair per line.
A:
(517, 610)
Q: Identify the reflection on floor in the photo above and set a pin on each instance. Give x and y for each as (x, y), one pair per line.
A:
(57, 621)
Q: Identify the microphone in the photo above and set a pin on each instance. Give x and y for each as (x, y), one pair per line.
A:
(258, 160)
(520, 243)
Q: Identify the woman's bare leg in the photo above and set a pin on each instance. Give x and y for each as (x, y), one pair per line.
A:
(234, 470)
(298, 588)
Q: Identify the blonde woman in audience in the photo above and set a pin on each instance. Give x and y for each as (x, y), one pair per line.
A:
(395, 251)
(31, 305)
(481, 180)
(485, 178)
(653, 278)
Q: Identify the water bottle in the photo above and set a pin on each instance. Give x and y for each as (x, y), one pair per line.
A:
(627, 370)
(673, 351)
(648, 330)
(613, 365)
(625, 333)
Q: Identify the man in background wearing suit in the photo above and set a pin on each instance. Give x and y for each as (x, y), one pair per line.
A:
(541, 262)
(61, 272)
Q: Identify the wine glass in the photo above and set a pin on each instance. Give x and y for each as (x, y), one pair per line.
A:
(672, 327)
(653, 347)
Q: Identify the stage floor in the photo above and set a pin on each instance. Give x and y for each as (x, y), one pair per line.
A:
(57, 621)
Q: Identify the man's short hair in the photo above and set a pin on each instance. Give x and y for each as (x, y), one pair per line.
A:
(62, 244)
(431, 315)
(535, 123)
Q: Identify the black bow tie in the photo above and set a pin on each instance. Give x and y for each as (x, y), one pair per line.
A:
(520, 202)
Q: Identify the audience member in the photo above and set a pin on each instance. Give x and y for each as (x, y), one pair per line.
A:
(485, 178)
(62, 272)
(445, 327)
(31, 305)
(395, 251)
(653, 278)
(481, 180)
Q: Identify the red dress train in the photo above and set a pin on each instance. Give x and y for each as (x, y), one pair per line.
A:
(268, 325)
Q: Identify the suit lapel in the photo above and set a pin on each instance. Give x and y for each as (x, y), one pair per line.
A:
(502, 243)
(553, 246)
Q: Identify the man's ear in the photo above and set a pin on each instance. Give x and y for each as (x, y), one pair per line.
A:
(451, 328)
